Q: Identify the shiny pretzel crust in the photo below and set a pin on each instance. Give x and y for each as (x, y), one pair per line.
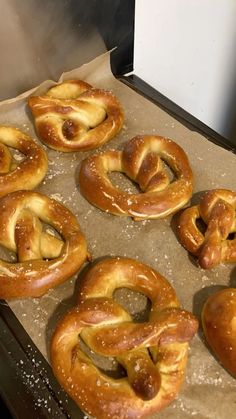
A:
(141, 160)
(217, 210)
(152, 381)
(44, 261)
(219, 325)
(73, 116)
(29, 172)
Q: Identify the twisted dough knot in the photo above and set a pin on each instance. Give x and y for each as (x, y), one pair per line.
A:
(154, 353)
(44, 260)
(141, 160)
(217, 210)
(73, 116)
(24, 174)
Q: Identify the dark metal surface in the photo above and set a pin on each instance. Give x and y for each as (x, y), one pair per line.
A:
(180, 114)
(27, 385)
(119, 32)
(4, 410)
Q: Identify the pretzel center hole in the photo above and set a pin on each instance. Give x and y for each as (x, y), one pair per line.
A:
(169, 171)
(17, 158)
(136, 303)
(138, 306)
(231, 236)
(123, 182)
(49, 229)
(202, 227)
(7, 255)
(107, 365)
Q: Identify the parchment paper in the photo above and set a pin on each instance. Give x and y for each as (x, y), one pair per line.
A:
(209, 391)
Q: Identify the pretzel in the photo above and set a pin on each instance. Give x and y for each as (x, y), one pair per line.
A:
(44, 261)
(73, 116)
(153, 378)
(217, 210)
(219, 325)
(141, 161)
(26, 174)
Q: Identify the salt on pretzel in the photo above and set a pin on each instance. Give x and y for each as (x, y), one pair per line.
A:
(44, 261)
(219, 325)
(74, 116)
(217, 210)
(153, 353)
(24, 174)
(141, 160)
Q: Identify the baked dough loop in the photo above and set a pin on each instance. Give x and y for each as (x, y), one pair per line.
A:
(17, 174)
(218, 243)
(74, 116)
(44, 260)
(141, 160)
(153, 353)
(219, 325)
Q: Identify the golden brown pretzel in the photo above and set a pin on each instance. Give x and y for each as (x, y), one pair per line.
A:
(73, 116)
(141, 161)
(153, 378)
(44, 261)
(29, 172)
(217, 210)
(219, 325)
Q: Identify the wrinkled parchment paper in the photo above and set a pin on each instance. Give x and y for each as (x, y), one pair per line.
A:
(209, 391)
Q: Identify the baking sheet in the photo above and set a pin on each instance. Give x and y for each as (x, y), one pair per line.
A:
(208, 391)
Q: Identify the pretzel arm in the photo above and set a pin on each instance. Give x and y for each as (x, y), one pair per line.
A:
(189, 233)
(28, 172)
(5, 159)
(173, 326)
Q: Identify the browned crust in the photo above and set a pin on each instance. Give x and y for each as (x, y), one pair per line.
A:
(141, 161)
(219, 325)
(82, 109)
(33, 276)
(69, 89)
(217, 210)
(108, 330)
(28, 173)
